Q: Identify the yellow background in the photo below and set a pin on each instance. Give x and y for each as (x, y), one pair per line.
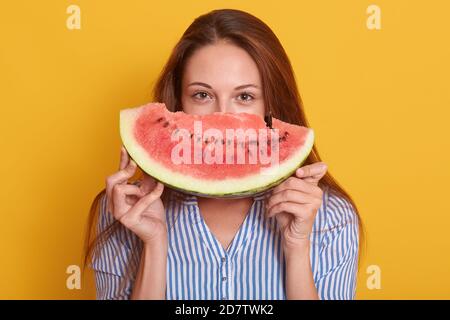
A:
(379, 101)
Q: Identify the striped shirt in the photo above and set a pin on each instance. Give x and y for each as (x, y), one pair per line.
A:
(252, 267)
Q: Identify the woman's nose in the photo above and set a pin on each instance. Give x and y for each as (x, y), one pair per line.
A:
(225, 106)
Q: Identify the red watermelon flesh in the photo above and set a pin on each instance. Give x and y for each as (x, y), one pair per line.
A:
(189, 152)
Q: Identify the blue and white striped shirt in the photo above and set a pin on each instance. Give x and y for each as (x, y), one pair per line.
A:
(252, 267)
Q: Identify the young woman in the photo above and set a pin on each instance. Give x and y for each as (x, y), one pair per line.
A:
(297, 241)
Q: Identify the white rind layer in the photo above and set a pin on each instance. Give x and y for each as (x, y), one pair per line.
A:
(256, 182)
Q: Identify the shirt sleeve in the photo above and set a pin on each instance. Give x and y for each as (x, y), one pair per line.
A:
(335, 278)
(116, 261)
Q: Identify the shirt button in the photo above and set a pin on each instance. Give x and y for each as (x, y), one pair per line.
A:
(224, 298)
(223, 259)
(224, 278)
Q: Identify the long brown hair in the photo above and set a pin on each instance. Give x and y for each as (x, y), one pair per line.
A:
(280, 92)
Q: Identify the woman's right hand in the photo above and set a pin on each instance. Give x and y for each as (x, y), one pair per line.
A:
(139, 208)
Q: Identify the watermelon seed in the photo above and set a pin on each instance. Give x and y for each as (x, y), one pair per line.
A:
(192, 135)
(166, 124)
(268, 120)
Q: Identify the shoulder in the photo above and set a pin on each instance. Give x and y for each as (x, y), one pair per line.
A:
(105, 218)
(117, 244)
(121, 234)
(336, 216)
(338, 208)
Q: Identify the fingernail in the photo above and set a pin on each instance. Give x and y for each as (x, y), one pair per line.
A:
(300, 171)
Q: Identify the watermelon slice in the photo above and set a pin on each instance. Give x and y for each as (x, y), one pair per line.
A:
(215, 155)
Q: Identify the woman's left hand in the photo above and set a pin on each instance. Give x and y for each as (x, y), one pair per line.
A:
(295, 203)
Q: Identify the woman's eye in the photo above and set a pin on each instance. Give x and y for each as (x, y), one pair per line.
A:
(245, 97)
(200, 95)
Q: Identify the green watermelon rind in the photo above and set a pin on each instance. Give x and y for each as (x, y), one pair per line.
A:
(253, 192)
(236, 187)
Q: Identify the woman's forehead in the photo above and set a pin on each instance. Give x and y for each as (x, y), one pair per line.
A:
(221, 65)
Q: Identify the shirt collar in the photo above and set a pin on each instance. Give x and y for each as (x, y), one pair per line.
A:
(191, 199)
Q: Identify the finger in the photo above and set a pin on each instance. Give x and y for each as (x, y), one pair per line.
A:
(120, 177)
(291, 196)
(124, 158)
(283, 219)
(313, 180)
(294, 183)
(120, 192)
(144, 202)
(123, 175)
(289, 207)
(315, 170)
(148, 183)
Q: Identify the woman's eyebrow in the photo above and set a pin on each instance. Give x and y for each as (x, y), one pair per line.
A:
(246, 86)
(209, 87)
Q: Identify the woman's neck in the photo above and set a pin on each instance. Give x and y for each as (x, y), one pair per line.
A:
(224, 217)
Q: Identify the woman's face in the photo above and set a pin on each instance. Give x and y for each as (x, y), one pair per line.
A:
(221, 78)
